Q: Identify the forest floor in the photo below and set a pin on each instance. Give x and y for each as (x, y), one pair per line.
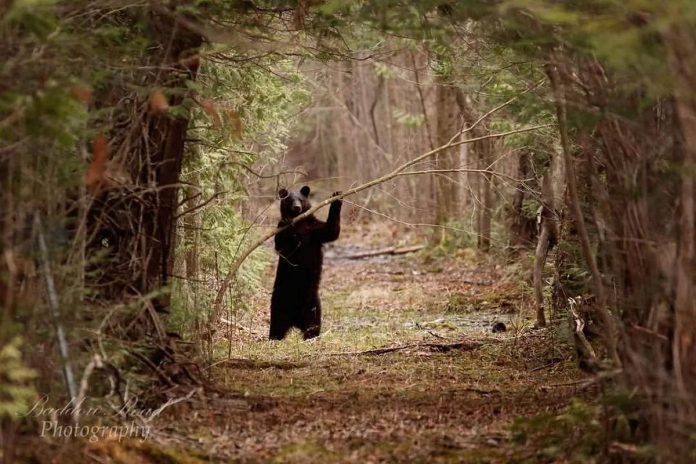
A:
(446, 390)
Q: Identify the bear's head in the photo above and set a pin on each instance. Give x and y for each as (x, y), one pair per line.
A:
(293, 203)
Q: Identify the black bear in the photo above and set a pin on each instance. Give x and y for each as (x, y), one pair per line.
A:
(295, 300)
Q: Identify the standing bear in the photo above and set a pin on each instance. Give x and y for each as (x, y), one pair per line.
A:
(295, 300)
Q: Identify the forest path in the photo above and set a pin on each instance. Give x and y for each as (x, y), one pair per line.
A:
(331, 400)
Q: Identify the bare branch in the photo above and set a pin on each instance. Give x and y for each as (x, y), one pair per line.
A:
(396, 172)
(199, 206)
(264, 176)
(480, 171)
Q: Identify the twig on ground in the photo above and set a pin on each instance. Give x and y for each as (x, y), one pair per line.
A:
(588, 382)
(171, 402)
(239, 326)
(154, 368)
(439, 347)
(96, 362)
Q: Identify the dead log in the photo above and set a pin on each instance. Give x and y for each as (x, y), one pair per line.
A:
(386, 251)
(436, 347)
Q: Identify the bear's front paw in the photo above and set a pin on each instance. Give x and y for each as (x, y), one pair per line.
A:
(335, 194)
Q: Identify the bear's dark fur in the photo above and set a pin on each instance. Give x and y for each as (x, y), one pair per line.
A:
(295, 301)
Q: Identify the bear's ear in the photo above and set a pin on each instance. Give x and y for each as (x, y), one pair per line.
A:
(282, 193)
(305, 191)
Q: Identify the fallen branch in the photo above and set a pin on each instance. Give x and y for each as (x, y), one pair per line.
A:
(238, 326)
(627, 449)
(437, 347)
(385, 251)
(245, 363)
(588, 382)
(169, 403)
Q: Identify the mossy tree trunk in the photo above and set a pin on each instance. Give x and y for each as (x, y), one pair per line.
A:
(140, 221)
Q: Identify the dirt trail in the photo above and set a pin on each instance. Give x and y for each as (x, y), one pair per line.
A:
(295, 401)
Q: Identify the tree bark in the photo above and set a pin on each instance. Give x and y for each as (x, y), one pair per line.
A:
(482, 150)
(609, 328)
(142, 225)
(547, 239)
(523, 229)
(486, 211)
(681, 47)
(447, 124)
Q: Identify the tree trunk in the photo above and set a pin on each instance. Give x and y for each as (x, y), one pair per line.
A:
(608, 326)
(447, 125)
(168, 134)
(142, 226)
(547, 239)
(523, 229)
(484, 232)
(192, 225)
(681, 46)
(482, 185)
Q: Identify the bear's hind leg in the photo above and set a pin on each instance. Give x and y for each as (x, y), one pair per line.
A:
(279, 327)
(311, 319)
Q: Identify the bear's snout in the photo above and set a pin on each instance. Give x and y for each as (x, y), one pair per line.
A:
(296, 207)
